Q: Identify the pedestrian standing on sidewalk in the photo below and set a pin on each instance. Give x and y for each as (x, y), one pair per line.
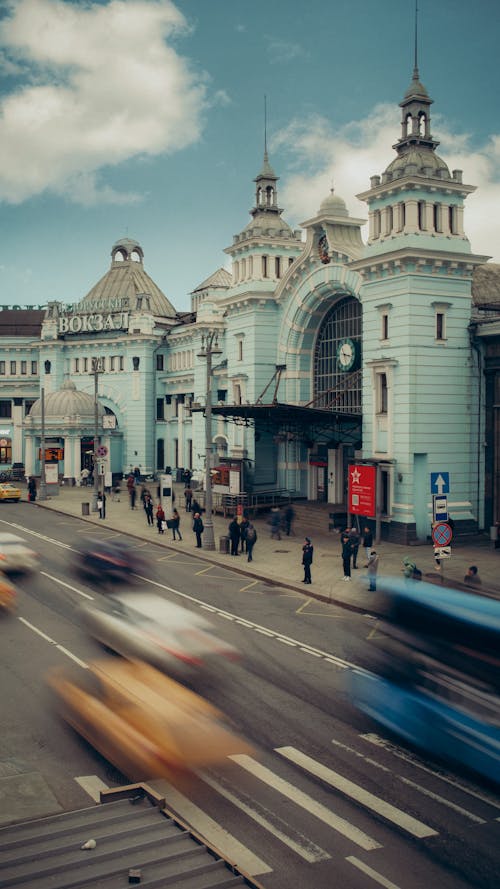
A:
(176, 520)
(234, 536)
(101, 505)
(372, 571)
(346, 556)
(148, 508)
(307, 557)
(367, 543)
(160, 519)
(244, 524)
(188, 496)
(198, 528)
(32, 489)
(288, 518)
(354, 541)
(251, 539)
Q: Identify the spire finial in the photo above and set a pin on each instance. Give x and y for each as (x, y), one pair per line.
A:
(265, 127)
(415, 64)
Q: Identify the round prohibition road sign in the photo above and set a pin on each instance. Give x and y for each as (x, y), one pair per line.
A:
(442, 534)
(102, 451)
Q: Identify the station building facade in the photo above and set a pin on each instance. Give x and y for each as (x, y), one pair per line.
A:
(328, 351)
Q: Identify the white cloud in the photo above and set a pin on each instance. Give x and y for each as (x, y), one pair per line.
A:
(321, 157)
(102, 85)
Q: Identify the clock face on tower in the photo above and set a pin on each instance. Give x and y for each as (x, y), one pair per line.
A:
(346, 354)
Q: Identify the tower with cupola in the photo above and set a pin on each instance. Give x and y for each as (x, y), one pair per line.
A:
(420, 411)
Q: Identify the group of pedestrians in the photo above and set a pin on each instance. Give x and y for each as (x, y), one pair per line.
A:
(242, 536)
(350, 541)
(281, 520)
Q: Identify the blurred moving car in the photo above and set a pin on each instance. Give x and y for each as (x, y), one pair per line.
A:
(9, 492)
(142, 721)
(146, 626)
(104, 561)
(434, 678)
(15, 555)
(8, 594)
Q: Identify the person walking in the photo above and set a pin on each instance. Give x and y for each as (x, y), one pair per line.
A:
(307, 558)
(198, 528)
(275, 522)
(195, 507)
(354, 541)
(176, 520)
(251, 539)
(243, 533)
(148, 508)
(372, 571)
(131, 490)
(188, 497)
(234, 536)
(367, 543)
(160, 519)
(32, 489)
(346, 556)
(288, 518)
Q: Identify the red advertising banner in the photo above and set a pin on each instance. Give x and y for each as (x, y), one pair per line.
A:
(362, 487)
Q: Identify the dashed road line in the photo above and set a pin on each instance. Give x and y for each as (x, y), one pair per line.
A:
(68, 586)
(49, 639)
(378, 878)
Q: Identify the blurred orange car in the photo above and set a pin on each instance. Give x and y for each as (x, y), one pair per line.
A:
(8, 594)
(142, 721)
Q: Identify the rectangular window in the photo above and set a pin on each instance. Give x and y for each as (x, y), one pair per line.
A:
(121, 362)
(5, 409)
(13, 368)
(34, 368)
(85, 365)
(264, 266)
(159, 362)
(77, 365)
(385, 326)
(176, 451)
(240, 350)
(2, 368)
(440, 325)
(24, 367)
(112, 361)
(382, 399)
(290, 261)
(28, 404)
(160, 409)
(277, 266)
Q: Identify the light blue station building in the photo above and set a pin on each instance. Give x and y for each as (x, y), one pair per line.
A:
(325, 352)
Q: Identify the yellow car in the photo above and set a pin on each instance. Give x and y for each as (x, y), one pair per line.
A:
(9, 492)
(8, 594)
(142, 721)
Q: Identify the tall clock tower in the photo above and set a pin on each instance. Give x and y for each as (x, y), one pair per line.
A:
(420, 406)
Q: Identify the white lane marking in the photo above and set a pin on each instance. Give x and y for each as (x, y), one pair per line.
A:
(305, 848)
(350, 831)
(377, 741)
(53, 642)
(358, 794)
(92, 785)
(418, 787)
(37, 534)
(214, 833)
(67, 585)
(378, 878)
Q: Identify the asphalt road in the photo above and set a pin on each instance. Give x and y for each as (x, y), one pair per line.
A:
(327, 799)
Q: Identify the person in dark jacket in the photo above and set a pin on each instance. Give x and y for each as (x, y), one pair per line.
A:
(346, 556)
(251, 539)
(32, 489)
(148, 508)
(243, 533)
(354, 541)
(234, 536)
(160, 519)
(198, 528)
(367, 543)
(307, 557)
(176, 520)
(288, 518)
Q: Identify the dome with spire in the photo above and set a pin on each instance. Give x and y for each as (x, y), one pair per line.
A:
(67, 402)
(333, 205)
(127, 285)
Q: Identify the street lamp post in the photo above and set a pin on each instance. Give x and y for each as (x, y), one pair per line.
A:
(96, 370)
(42, 493)
(209, 347)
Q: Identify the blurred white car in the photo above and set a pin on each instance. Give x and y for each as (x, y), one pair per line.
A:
(15, 555)
(145, 626)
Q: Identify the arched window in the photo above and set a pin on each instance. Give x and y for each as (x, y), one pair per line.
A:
(334, 387)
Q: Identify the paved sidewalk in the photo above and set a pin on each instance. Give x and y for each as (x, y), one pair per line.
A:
(279, 561)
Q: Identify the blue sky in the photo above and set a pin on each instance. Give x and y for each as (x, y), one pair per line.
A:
(145, 118)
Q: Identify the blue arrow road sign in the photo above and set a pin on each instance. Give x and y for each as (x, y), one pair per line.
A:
(440, 482)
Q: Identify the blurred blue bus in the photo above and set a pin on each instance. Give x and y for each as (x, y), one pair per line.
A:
(434, 673)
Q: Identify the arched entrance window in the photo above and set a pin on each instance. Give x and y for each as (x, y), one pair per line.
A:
(335, 386)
